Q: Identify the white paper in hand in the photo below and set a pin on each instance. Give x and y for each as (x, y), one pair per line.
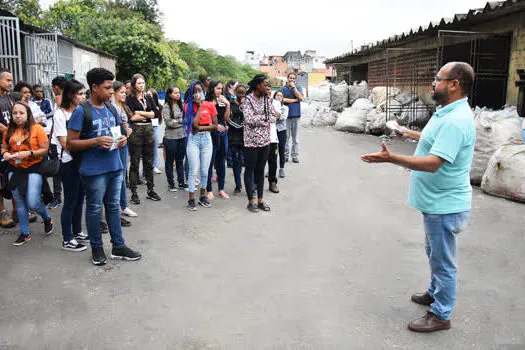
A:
(115, 133)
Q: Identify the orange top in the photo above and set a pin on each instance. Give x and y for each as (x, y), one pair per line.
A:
(18, 143)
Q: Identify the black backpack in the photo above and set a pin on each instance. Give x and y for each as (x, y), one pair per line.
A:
(87, 123)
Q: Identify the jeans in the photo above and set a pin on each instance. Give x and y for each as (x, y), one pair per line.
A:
(199, 152)
(255, 159)
(272, 163)
(292, 128)
(155, 147)
(141, 145)
(103, 190)
(31, 201)
(124, 159)
(281, 135)
(236, 153)
(440, 244)
(175, 152)
(71, 216)
(218, 160)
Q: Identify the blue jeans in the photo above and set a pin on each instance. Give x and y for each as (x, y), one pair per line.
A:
(104, 190)
(31, 201)
(71, 216)
(218, 160)
(199, 151)
(124, 159)
(175, 152)
(236, 153)
(441, 245)
(155, 150)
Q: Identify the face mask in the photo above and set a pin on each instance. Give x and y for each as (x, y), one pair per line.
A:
(201, 96)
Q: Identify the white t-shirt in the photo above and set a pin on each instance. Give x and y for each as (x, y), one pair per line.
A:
(36, 111)
(273, 127)
(60, 119)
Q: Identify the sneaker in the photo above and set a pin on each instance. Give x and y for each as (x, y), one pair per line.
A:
(295, 160)
(191, 205)
(129, 212)
(81, 237)
(153, 196)
(125, 253)
(22, 239)
(48, 226)
(157, 171)
(203, 201)
(124, 222)
(274, 188)
(172, 188)
(135, 198)
(54, 204)
(98, 257)
(281, 173)
(237, 190)
(104, 228)
(183, 186)
(5, 220)
(73, 246)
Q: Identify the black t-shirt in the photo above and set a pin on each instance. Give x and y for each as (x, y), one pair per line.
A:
(235, 123)
(6, 103)
(135, 105)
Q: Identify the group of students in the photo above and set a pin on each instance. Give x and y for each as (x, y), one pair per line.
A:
(93, 137)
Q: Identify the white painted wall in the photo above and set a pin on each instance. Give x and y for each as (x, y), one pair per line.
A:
(83, 61)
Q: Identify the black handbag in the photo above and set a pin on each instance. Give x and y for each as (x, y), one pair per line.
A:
(49, 167)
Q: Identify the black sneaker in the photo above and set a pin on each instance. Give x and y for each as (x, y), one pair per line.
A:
(295, 160)
(81, 237)
(55, 203)
(237, 190)
(104, 228)
(153, 196)
(48, 226)
(183, 186)
(124, 222)
(73, 246)
(191, 204)
(135, 198)
(203, 201)
(125, 253)
(98, 256)
(172, 188)
(22, 239)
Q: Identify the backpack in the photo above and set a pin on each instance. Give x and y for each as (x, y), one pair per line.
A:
(87, 123)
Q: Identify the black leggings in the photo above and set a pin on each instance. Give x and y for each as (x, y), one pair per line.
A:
(255, 159)
(281, 135)
(272, 163)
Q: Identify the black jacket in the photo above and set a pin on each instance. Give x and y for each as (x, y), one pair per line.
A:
(235, 124)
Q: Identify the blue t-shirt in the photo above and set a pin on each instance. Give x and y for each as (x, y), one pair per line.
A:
(97, 160)
(294, 108)
(450, 134)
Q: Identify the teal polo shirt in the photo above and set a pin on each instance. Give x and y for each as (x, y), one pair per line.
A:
(450, 134)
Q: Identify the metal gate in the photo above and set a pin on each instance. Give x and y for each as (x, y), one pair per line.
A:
(411, 71)
(10, 48)
(41, 59)
(489, 56)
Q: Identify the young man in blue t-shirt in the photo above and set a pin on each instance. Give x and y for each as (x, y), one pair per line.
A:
(100, 165)
(292, 97)
(440, 187)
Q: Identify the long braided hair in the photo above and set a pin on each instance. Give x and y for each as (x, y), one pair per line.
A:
(252, 85)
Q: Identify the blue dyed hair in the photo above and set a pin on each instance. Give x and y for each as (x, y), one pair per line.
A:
(190, 113)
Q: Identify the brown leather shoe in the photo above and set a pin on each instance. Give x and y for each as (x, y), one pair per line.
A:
(274, 188)
(429, 323)
(422, 299)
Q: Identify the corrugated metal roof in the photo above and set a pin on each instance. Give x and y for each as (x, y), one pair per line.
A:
(491, 9)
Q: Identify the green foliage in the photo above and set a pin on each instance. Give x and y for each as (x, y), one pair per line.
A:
(131, 30)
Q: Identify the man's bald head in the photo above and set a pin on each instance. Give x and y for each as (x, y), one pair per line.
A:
(463, 72)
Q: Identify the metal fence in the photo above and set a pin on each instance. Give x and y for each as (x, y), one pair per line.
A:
(10, 46)
(41, 59)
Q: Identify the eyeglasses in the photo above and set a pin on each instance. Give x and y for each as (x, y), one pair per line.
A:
(436, 78)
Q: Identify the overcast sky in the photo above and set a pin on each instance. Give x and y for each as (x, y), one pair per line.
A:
(274, 27)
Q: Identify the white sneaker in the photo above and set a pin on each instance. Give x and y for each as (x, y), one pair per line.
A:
(129, 212)
(157, 171)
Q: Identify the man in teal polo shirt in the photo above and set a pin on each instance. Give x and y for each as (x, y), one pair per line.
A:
(440, 187)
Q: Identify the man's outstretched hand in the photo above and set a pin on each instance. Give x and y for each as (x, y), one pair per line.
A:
(384, 156)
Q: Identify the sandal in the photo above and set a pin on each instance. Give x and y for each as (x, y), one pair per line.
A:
(211, 196)
(252, 207)
(223, 195)
(263, 206)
